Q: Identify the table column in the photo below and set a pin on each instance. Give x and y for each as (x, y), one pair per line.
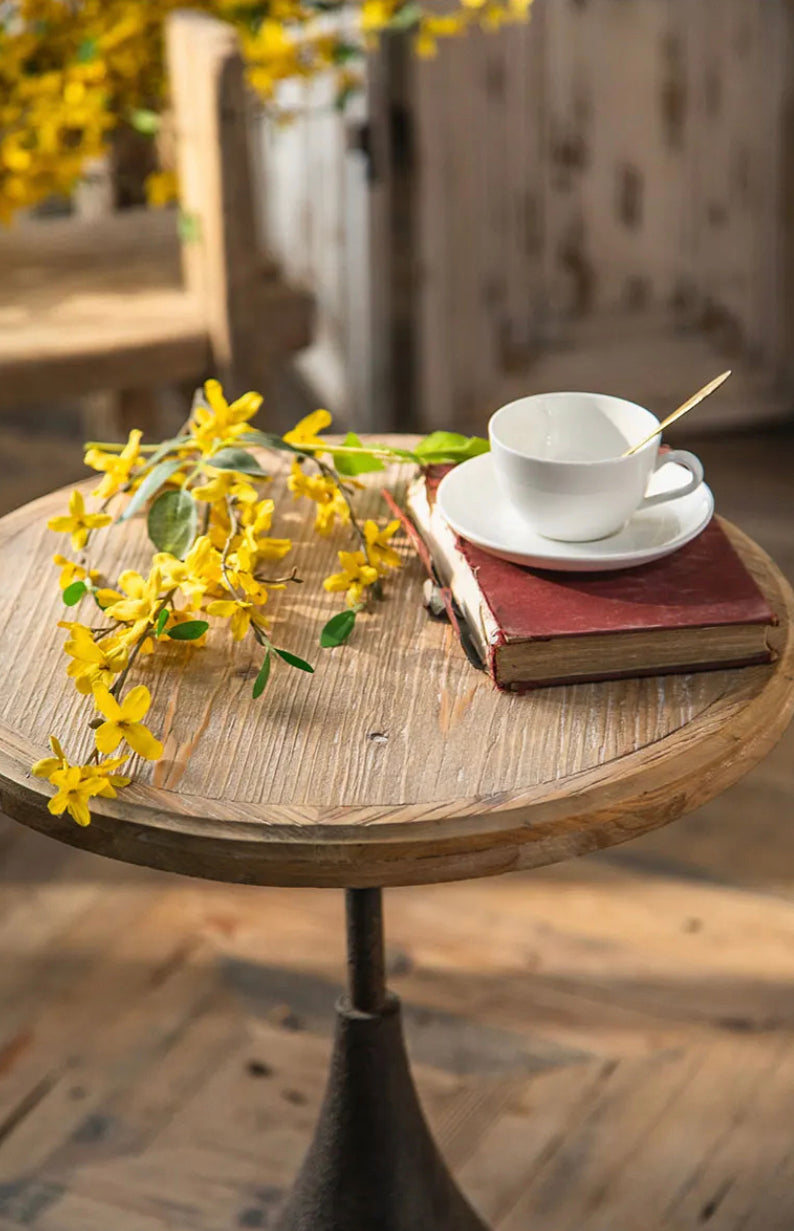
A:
(372, 1165)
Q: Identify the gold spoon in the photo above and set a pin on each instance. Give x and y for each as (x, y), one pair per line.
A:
(695, 400)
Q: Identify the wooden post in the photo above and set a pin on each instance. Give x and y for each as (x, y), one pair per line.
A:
(251, 315)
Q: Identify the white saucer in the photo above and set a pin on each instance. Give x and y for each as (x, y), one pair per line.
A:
(472, 501)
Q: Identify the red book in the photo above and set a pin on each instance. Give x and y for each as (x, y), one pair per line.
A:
(696, 609)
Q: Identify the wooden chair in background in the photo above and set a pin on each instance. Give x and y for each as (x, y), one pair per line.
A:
(142, 299)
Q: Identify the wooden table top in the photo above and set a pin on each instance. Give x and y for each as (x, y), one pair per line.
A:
(396, 763)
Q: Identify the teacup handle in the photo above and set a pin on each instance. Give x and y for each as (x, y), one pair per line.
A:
(690, 463)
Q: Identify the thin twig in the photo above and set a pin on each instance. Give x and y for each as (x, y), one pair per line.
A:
(152, 623)
(234, 529)
(330, 473)
(280, 581)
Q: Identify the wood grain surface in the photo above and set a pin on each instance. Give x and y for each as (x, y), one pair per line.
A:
(396, 762)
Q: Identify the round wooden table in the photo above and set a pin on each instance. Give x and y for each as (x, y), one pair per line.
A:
(396, 763)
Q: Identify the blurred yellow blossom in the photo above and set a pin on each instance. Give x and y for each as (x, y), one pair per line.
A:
(71, 74)
(223, 483)
(117, 466)
(75, 786)
(48, 765)
(354, 578)
(238, 612)
(139, 598)
(123, 721)
(79, 523)
(211, 529)
(162, 187)
(73, 572)
(325, 492)
(306, 432)
(379, 550)
(93, 662)
(220, 420)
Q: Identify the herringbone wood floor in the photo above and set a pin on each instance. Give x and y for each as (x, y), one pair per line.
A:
(604, 1046)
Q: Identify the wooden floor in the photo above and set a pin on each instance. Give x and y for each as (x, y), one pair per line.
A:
(603, 1046)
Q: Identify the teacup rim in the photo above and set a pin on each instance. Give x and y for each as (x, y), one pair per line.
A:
(563, 393)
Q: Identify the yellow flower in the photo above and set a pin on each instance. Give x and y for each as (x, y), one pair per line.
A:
(75, 788)
(48, 765)
(161, 187)
(220, 421)
(72, 572)
(305, 432)
(243, 579)
(434, 27)
(142, 597)
(425, 43)
(258, 516)
(117, 466)
(328, 512)
(78, 783)
(123, 722)
(375, 14)
(267, 548)
(105, 776)
(130, 635)
(225, 483)
(250, 550)
(79, 523)
(379, 552)
(240, 614)
(198, 572)
(356, 575)
(324, 492)
(94, 662)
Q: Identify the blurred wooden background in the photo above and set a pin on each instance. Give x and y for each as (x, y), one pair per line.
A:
(602, 199)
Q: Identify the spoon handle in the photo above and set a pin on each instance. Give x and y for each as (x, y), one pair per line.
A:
(695, 400)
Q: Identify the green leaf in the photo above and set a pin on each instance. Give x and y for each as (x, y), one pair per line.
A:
(349, 464)
(154, 480)
(87, 50)
(342, 52)
(172, 522)
(145, 121)
(268, 440)
(449, 447)
(238, 460)
(406, 17)
(344, 96)
(190, 630)
(73, 593)
(338, 629)
(189, 227)
(294, 661)
(162, 620)
(166, 447)
(262, 678)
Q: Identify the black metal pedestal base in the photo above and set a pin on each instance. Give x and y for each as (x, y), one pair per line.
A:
(373, 1165)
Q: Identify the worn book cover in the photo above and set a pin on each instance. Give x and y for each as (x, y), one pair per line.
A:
(698, 608)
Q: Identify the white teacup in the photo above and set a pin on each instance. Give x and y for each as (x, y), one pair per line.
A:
(558, 458)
